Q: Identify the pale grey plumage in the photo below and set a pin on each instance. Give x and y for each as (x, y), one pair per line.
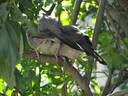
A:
(69, 35)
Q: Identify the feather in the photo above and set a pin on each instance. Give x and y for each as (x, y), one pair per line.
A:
(69, 35)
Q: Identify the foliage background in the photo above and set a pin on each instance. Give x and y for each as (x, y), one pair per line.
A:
(32, 78)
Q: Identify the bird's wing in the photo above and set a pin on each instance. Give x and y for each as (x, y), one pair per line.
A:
(81, 42)
(68, 35)
(64, 36)
(72, 38)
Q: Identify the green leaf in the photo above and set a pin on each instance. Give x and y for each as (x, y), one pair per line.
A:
(2, 85)
(20, 80)
(8, 53)
(58, 10)
(17, 16)
(19, 36)
(3, 12)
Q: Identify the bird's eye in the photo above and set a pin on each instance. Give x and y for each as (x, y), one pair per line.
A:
(52, 41)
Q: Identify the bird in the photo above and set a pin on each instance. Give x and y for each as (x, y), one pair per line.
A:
(67, 34)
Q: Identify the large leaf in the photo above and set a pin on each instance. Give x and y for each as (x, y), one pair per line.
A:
(3, 12)
(8, 53)
(7, 47)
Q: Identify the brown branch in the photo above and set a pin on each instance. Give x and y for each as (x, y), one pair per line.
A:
(99, 20)
(115, 85)
(120, 19)
(120, 93)
(123, 4)
(64, 90)
(76, 11)
(121, 79)
(107, 87)
(42, 58)
(82, 82)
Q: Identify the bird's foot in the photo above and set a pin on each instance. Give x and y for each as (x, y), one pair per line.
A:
(59, 58)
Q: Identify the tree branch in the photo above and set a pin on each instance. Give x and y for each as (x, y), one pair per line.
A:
(64, 90)
(82, 82)
(122, 77)
(107, 87)
(120, 19)
(120, 93)
(99, 20)
(76, 11)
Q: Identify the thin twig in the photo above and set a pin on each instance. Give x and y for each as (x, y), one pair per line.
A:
(76, 11)
(107, 87)
(64, 90)
(103, 72)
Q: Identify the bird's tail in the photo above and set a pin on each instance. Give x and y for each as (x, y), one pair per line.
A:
(99, 58)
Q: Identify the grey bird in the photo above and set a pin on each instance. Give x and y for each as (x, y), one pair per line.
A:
(70, 35)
